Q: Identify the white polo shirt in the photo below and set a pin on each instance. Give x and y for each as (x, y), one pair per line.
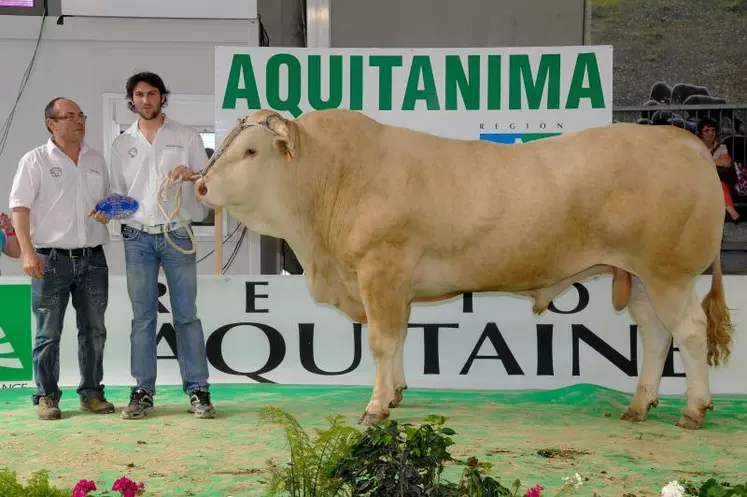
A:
(60, 195)
(138, 167)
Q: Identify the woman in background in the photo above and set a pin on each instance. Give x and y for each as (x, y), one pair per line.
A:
(707, 130)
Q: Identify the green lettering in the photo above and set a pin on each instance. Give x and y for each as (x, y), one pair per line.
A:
(274, 99)
(586, 65)
(356, 82)
(469, 88)
(494, 82)
(315, 82)
(385, 63)
(521, 76)
(421, 69)
(241, 69)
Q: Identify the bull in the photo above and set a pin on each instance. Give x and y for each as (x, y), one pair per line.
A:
(382, 217)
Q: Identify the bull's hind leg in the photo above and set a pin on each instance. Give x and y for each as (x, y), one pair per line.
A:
(656, 342)
(691, 337)
(384, 291)
(683, 315)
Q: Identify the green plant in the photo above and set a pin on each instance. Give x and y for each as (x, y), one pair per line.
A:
(477, 485)
(403, 460)
(38, 486)
(712, 488)
(310, 471)
(387, 460)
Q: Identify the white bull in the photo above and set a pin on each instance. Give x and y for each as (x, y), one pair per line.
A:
(383, 216)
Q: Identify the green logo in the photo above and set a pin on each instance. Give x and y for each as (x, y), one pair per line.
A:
(490, 81)
(15, 333)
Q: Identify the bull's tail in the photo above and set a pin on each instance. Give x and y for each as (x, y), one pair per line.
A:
(719, 328)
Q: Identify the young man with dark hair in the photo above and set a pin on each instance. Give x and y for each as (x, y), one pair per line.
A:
(153, 148)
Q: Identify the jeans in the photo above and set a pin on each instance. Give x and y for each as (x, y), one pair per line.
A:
(86, 278)
(145, 253)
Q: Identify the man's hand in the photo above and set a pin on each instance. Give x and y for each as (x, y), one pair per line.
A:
(99, 216)
(183, 173)
(32, 265)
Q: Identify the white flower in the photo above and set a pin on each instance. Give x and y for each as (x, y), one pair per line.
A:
(572, 482)
(673, 489)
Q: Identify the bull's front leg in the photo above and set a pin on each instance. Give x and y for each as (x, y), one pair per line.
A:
(384, 291)
(400, 383)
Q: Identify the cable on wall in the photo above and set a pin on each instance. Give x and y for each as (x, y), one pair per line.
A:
(5, 130)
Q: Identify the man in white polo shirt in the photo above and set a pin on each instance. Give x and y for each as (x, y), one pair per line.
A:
(152, 148)
(55, 188)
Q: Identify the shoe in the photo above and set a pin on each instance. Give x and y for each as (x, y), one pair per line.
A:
(200, 404)
(48, 408)
(97, 405)
(141, 404)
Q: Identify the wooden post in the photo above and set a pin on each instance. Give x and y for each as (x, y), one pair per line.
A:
(218, 254)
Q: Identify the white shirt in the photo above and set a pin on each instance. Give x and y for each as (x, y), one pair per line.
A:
(60, 195)
(138, 168)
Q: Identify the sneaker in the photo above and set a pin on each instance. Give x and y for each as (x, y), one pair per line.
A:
(200, 404)
(48, 408)
(97, 405)
(141, 404)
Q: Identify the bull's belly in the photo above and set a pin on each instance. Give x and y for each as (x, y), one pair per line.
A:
(433, 278)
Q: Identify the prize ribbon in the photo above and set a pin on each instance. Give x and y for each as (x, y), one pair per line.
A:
(117, 206)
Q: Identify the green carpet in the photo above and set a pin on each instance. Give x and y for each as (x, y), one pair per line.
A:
(537, 437)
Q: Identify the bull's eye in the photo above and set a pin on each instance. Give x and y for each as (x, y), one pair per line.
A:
(250, 152)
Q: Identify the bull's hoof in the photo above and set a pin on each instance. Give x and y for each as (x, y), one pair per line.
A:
(398, 396)
(372, 418)
(690, 422)
(633, 416)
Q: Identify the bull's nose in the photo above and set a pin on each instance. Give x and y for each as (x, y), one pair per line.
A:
(200, 187)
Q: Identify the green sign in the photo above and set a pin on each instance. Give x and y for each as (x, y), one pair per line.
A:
(15, 333)
(560, 81)
(508, 95)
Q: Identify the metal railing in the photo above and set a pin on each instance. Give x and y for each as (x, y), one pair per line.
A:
(732, 120)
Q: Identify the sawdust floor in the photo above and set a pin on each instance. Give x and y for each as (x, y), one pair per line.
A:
(538, 437)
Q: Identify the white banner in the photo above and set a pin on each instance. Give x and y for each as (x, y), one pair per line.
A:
(498, 94)
(270, 330)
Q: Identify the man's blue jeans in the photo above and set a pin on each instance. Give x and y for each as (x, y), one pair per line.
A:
(86, 279)
(145, 253)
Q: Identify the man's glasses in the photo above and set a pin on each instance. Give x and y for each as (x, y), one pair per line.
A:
(71, 117)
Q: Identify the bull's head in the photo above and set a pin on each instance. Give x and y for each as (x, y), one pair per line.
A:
(248, 160)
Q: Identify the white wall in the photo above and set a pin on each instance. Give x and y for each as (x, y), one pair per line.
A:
(83, 59)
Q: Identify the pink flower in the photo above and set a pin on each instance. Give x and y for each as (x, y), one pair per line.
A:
(535, 491)
(127, 487)
(83, 487)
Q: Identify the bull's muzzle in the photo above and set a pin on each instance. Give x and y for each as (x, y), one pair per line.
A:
(200, 188)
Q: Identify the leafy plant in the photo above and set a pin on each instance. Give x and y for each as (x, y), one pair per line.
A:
(38, 486)
(403, 460)
(477, 485)
(398, 460)
(310, 472)
(712, 488)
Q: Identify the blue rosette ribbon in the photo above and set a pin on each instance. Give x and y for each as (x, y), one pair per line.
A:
(116, 206)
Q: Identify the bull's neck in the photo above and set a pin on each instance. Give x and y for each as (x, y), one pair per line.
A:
(319, 186)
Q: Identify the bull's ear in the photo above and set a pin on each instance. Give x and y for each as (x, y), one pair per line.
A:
(287, 140)
(285, 147)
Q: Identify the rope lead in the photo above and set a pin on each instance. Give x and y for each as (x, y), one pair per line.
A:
(161, 197)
